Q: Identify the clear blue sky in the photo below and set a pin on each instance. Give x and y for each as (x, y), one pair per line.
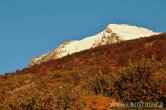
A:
(29, 28)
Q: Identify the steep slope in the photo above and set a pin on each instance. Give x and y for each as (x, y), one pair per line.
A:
(112, 34)
(112, 54)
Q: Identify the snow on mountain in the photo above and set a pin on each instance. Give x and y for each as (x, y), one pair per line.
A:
(112, 34)
(128, 32)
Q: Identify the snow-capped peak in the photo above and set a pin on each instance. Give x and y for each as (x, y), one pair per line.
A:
(112, 34)
(130, 32)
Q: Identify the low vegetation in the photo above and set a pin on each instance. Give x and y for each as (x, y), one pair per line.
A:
(130, 71)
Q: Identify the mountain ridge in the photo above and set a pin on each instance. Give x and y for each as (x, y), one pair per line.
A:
(112, 34)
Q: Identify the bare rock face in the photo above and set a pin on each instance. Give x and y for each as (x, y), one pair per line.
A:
(114, 33)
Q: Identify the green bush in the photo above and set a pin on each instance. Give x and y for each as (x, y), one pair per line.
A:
(67, 99)
(102, 84)
(138, 83)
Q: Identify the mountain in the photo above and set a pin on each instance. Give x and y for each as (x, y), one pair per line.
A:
(112, 34)
(132, 70)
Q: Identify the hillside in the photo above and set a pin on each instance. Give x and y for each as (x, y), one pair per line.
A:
(115, 54)
(128, 71)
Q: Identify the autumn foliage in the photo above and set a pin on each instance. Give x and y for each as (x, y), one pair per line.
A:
(129, 71)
